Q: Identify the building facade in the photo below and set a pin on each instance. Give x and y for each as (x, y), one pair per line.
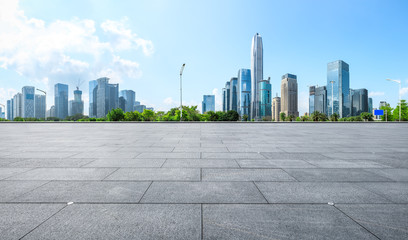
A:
(227, 96)
(208, 103)
(105, 97)
(140, 108)
(289, 95)
(40, 106)
(92, 100)
(17, 108)
(370, 105)
(244, 92)
(234, 94)
(265, 97)
(127, 99)
(61, 100)
(359, 101)
(276, 108)
(256, 74)
(224, 105)
(338, 89)
(28, 108)
(77, 105)
(317, 99)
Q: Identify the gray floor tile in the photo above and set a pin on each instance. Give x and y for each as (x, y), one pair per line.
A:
(82, 191)
(386, 221)
(269, 163)
(335, 175)
(317, 192)
(9, 172)
(200, 163)
(200, 149)
(156, 174)
(233, 155)
(51, 162)
(295, 156)
(245, 175)
(395, 174)
(279, 222)
(124, 221)
(64, 174)
(346, 164)
(126, 162)
(203, 192)
(397, 192)
(169, 155)
(13, 189)
(18, 219)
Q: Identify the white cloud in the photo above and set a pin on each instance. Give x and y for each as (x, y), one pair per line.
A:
(6, 94)
(169, 101)
(404, 91)
(376, 94)
(66, 50)
(218, 99)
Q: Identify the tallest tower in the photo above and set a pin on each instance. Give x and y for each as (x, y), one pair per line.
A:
(256, 74)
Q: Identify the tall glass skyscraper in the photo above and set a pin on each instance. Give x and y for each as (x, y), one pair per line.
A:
(370, 105)
(77, 105)
(208, 103)
(234, 94)
(8, 110)
(61, 100)
(92, 99)
(224, 105)
(105, 97)
(128, 101)
(338, 89)
(265, 96)
(359, 101)
(256, 74)
(227, 96)
(40, 106)
(28, 110)
(317, 99)
(244, 92)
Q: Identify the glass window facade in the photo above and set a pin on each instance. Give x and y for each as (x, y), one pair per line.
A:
(208, 103)
(338, 89)
(92, 98)
(359, 101)
(61, 100)
(312, 91)
(265, 106)
(234, 94)
(256, 74)
(128, 100)
(227, 96)
(28, 110)
(244, 92)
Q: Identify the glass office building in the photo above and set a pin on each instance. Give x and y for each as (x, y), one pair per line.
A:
(265, 96)
(312, 91)
(227, 96)
(126, 100)
(92, 99)
(370, 105)
(8, 110)
(256, 74)
(359, 101)
(77, 105)
(208, 103)
(28, 110)
(338, 89)
(40, 106)
(244, 92)
(61, 100)
(234, 94)
(317, 99)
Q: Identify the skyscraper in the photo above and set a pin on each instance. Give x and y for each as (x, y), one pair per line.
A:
(370, 105)
(359, 101)
(276, 108)
(256, 74)
(128, 100)
(40, 106)
(338, 89)
(27, 102)
(289, 95)
(244, 92)
(17, 106)
(227, 96)
(265, 107)
(92, 98)
(317, 99)
(77, 105)
(312, 91)
(208, 103)
(9, 111)
(61, 100)
(234, 94)
(105, 97)
(224, 105)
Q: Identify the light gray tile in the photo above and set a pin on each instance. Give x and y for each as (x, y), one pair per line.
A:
(9, 172)
(64, 174)
(397, 192)
(51, 162)
(200, 163)
(203, 192)
(126, 162)
(245, 175)
(335, 175)
(269, 163)
(346, 164)
(122, 221)
(156, 174)
(400, 174)
(294, 156)
(169, 155)
(13, 189)
(233, 155)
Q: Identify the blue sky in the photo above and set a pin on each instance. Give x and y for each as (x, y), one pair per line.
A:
(142, 44)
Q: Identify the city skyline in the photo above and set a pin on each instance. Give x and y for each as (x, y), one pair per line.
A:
(146, 67)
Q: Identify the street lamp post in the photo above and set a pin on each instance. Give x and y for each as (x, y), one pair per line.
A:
(399, 94)
(181, 92)
(332, 82)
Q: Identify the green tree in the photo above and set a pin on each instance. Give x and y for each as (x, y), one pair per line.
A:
(148, 115)
(245, 118)
(367, 116)
(334, 117)
(115, 115)
(212, 116)
(404, 111)
(298, 119)
(387, 113)
(290, 118)
(282, 116)
(232, 116)
(132, 116)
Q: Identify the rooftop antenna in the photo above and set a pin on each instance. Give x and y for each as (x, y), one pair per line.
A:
(79, 83)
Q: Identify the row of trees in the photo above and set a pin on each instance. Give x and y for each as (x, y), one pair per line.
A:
(321, 117)
(392, 114)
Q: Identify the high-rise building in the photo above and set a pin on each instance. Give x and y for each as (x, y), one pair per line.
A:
(338, 89)
(77, 105)
(317, 99)
(92, 99)
(265, 95)
(289, 95)
(9, 111)
(370, 105)
(256, 74)
(234, 94)
(359, 101)
(224, 105)
(40, 106)
(208, 103)
(276, 108)
(127, 99)
(383, 104)
(140, 108)
(150, 108)
(244, 92)
(105, 97)
(61, 100)
(27, 103)
(312, 91)
(17, 105)
(227, 96)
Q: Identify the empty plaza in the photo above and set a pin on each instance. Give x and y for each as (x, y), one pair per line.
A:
(203, 181)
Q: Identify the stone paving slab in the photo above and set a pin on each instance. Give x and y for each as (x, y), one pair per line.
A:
(335, 175)
(269, 163)
(245, 175)
(200, 163)
(397, 192)
(51, 162)
(122, 221)
(9, 172)
(64, 174)
(126, 163)
(9, 190)
(156, 174)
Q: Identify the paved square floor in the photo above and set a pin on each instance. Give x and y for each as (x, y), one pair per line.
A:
(203, 181)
